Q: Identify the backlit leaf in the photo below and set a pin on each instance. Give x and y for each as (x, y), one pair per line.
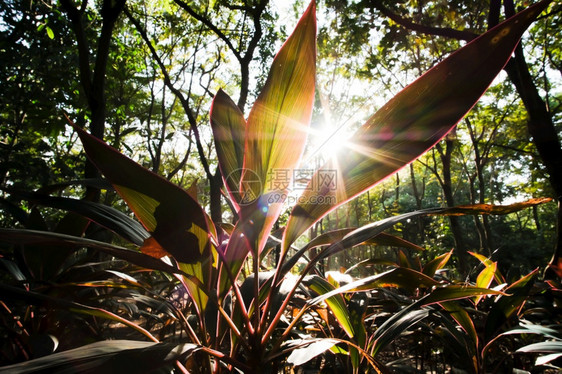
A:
(279, 119)
(308, 349)
(459, 314)
(437, 263)
(229, 126)
(274, 141)
(371, 230)
(335, 302)
(175, 219)
(411, 122)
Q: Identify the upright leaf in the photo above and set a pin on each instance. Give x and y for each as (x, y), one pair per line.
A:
(174, 219)
(177, 223)
(437, 263)
(229, 126)
(279, 119)
(274, 141)
(412, 122)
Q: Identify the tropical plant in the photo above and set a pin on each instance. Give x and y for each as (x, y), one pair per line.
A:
(242, 316)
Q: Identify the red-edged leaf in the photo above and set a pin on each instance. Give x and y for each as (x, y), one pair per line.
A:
(175, 220)
(487, 262)
(274, 142)
(381, 239)
(412, 122)
(486, 276)
(400, 277)
(229, 127)
(461, 210)
(279, 119)
(437, 263)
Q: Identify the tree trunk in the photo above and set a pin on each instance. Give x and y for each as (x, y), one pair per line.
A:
(447, 186)
(419, 197)
(545, 137)
(93, 82)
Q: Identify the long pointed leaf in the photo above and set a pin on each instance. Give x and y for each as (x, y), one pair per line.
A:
(278, 122)
(437, 263)
(412, 314)
(37, 298)
(274, 142)
(174, 219)
(412, 122)
(335, 302)
(307, 349)
(108, 356)
(229, 126)
(104, 215)
(370, 231)
(57, 241)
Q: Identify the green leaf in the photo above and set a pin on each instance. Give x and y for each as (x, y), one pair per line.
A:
(370, 231)
(461, 210)
(395, 326)
(175, 219)
(399, 322)
(56, 241)
(40, 299)
(337, 235)
(335, 301)
(104, 215)
(437, 263)
(455, 292)
(412, 122)
(400, 277)
(486, 276)
(462, 317)
(507, 305)
(229, 126)
(487, 262)
(50, 32)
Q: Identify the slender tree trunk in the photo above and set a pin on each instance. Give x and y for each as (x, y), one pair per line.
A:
(447, 186)
(93, 81)
(484, 230)
(419, 205)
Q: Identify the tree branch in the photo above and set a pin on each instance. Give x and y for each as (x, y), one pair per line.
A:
(211, 26)
(431, 30)
(168, 82)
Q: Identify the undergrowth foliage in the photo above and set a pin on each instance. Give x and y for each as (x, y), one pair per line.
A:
(197, 295)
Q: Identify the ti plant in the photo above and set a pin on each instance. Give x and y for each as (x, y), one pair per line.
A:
(253, 323)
